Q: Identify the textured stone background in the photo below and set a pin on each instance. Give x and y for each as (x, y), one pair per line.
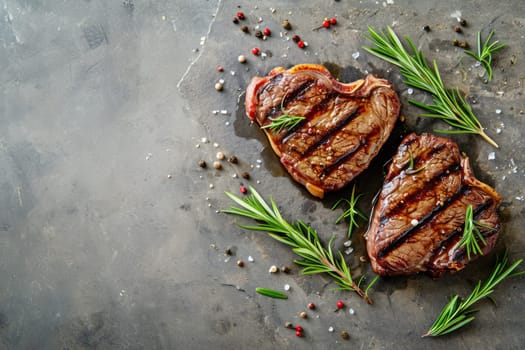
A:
(109, 231)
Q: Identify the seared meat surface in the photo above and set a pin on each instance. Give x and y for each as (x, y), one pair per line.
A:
(419, 216)
(344, 126)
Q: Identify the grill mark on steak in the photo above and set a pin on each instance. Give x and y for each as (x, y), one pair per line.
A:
(451, 239)
(453, 168)
(289, 96)
(317, 109)
(426, 219)
(333, 131)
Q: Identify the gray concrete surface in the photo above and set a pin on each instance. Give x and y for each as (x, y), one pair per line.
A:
(110, 235)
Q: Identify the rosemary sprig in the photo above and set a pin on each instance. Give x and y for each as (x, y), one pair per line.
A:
(303, 239)
(471, 234)
(352, 212)
(448, 104)
(485, 51)
(458, 313)
(284, 121)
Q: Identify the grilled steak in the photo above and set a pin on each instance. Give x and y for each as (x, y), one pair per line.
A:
(343, 129)
(418, 219)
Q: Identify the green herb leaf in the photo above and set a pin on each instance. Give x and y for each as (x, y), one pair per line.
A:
(448, 104)
(485, 51)
(284, 121)
(351, 213)
(471, 234)
(303, 239)
(458, 313)
(271, 293)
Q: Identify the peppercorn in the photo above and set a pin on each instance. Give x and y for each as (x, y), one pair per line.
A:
(220, 69)
(457, 29)
(235, 20)
(286, 25)
(340, 304)
(258, 34)
(333, 21)
(220, 156)
(245, 29)
(296, 38)
(301, 44)
(463, 22)
(326, 23)
(426, 28)
(455, 42)
(245, 175)
(298, 334)
(240, 15)
(233, 159)
(242, 59)
(256, 51)
(202, 163)
(273, 269)
(345, 335)
(240, 263)
(299, 328)
(228, 251)
(311, 306)
(267, 31)
(218, 86)
(243, 189)
(303, 314)
(463, 44)
(288, 325)
(285, 269)
(217, 165)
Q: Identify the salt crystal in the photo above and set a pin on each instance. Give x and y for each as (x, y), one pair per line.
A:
(211, 186)
(204, 140)
(235, 176)
(414, 222)
(355, 55)
(250, 258)
(221, 81)
(227, 123)
(520, 198)
(498, 130)
(410, 91)
(498, 111)
(492, 156)
(286, 287)
(347, 243)
(259, 161)
(330, 329)
(349, 251)
(232, 72)
(351, 311)
(197, 146)
(215, 112)
(215, 144)
(223, 111)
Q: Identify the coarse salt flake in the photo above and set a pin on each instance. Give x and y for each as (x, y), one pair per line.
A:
(491, 156)
(287, 287)
(414, 222)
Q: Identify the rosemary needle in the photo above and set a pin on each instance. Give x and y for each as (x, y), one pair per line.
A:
(471, 234)
(459, 312)
(448, 104)
(303, 239)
